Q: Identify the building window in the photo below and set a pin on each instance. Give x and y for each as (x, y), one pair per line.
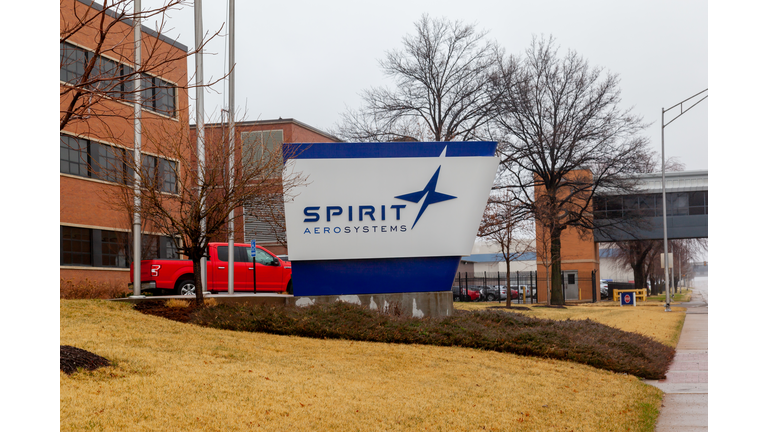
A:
(167, 176)
(115, 250)
(697, 203)
(73, 60)
(149, 170)
(73, 156)
(114, 79)
(158, 95)
(90, 159)
(75, 246)
(108, 163)
(678, 204)
(256, 144)
(105, 248)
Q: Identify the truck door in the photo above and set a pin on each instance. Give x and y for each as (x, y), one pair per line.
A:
(268, 276)
(218, 270)
(243, 278)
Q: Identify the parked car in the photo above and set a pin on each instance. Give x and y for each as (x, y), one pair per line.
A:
(499, 292)
(473, 292)
(603, 288)
(163, 276)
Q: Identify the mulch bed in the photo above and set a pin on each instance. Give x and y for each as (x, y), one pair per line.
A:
(552, 307)
(71, 359)
(523, 308)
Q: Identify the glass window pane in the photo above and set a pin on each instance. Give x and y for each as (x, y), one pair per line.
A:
(242, 254)
(263, 257)
(646, 204)
(76, 246)
(149, 171)
(614, 207)
(223, 253)
(696, 198)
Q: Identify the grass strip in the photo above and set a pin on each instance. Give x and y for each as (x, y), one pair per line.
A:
(581, 341)
(171, 376)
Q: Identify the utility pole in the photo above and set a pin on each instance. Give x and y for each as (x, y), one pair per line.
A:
(137, 150)
(664, 183)
(200, 127)
(231, 116)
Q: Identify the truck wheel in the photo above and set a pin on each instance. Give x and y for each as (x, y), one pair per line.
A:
(186, 288)
(289, 288)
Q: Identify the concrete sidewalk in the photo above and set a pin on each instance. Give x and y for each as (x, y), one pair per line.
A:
(684, 407)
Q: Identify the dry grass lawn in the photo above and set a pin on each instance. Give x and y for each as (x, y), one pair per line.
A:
(648, 319)
(178, 377)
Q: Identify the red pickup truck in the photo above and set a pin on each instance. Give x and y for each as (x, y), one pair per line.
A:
(177, 276)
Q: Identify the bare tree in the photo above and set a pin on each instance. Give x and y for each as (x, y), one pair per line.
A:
(500, 226)
(565, 136)
(442, 91)
(175, 200)
(97, 78)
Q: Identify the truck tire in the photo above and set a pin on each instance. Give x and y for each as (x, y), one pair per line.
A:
(289, 288)
(186, 287)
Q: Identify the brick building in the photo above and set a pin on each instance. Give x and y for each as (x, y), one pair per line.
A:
(579, 257)
(253, 222)
(94, 236)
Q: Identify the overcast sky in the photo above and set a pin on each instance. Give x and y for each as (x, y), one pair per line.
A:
(309, 60)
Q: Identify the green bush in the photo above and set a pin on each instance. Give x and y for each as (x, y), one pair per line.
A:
(581, 341)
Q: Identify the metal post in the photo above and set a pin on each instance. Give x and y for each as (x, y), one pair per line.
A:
(254, 275)
(664, 187)
(200, 127)
(137, 151)
(664, 213)
(498, 285)
(231, 115)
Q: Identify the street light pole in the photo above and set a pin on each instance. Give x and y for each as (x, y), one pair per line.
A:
(664, 183)
(137, 151)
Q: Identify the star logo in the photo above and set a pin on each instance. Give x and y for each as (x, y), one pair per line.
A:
(432, 196)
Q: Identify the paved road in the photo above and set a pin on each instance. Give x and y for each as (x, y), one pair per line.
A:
(685, 404)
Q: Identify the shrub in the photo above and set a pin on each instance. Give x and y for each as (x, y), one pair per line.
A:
(581, 341)
(87, 289)
(176, 303)
(210, 302)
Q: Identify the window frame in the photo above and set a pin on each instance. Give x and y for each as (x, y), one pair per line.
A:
(118, 88)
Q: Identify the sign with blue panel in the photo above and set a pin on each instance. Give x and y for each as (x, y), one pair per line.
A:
(627, 299)
(384, 217)
(253, 248)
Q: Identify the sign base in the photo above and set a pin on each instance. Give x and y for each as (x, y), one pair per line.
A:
(412, 304)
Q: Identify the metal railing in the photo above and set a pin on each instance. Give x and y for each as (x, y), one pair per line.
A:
(491, 286)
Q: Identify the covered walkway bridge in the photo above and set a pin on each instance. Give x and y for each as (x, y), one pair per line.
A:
(687, 209)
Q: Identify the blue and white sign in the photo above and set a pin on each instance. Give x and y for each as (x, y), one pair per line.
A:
(383, 207)
(253, 248)
(627, 299)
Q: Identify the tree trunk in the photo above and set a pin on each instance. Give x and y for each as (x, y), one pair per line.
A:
(557, 277)
(198, 281)
(637, 270)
